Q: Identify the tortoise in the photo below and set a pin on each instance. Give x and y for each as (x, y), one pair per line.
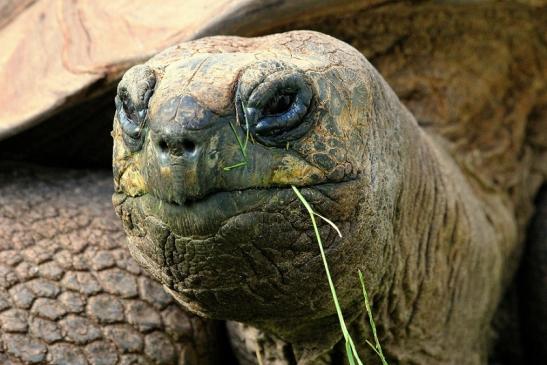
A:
(474, 116)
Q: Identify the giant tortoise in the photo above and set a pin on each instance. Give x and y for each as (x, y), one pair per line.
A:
(428, 156)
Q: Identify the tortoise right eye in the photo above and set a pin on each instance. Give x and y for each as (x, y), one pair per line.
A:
(131, 122)
(134, 93)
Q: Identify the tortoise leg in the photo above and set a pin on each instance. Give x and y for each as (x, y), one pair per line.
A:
(533, 286)
(69, 291)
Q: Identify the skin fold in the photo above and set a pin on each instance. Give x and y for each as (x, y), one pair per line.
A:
(437, 248)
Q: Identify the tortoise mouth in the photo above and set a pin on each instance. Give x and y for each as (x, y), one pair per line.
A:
(204, 216)
(190, 202)
(247, 248)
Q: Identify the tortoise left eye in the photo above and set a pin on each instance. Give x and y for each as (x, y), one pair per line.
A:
(279, 104)
(275, 111)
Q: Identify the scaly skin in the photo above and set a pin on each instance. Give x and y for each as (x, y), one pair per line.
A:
(436, 248)
(70, 293)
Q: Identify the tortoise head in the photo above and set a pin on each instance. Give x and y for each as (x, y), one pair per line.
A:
(209, 138)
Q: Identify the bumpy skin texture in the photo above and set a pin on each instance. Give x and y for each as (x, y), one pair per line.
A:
(437, 246)
(70, 293)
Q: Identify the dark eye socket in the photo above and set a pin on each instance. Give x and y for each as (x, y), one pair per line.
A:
(130, 120)
(134, 93)
(129, 110)
(275, 109)
(279, 104)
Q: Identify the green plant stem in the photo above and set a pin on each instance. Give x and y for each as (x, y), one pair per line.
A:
(351, 351)
(376, 347)
(239, 164)
(242, 148)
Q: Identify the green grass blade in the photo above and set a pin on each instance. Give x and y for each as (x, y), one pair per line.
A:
(323, 257)
(373, 348)
(242, 148)
(330, 222)
(353, 349)
(239, 164)
(377, 347)
(350, 347)
(349, 353)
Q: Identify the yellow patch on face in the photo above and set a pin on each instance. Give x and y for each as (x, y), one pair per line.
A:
(293, 170)
(165, 172)
(132, 182)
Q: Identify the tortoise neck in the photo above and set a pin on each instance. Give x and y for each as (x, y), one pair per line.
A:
(448, 252)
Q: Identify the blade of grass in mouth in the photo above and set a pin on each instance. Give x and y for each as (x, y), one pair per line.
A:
(242, 147)
(351, 351)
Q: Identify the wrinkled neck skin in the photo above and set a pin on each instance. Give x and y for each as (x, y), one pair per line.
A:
(440, 275)
(450, 261)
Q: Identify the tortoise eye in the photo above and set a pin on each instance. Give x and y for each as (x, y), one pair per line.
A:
(134, 93)
(276, 109)
(128, 108)
(279, 104)
(130, 121)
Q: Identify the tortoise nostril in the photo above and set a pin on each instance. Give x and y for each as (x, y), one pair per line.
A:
(188, 146)
(163, 145)
(180, 148)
